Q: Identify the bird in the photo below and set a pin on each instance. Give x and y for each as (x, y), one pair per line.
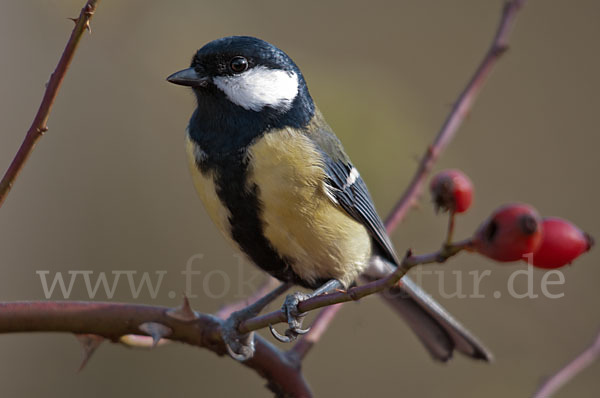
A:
(276, 181)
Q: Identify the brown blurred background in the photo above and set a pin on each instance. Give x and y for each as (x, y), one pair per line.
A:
(108, 188)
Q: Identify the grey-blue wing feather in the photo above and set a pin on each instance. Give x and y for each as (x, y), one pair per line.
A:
(353, 196)
(435, 327)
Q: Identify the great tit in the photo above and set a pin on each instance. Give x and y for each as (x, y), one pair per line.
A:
(276, 181)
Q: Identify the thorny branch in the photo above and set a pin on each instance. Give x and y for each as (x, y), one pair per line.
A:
(38, 126)
(112, 321)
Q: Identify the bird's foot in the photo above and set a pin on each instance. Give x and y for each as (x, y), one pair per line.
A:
(239, 346)
(294, 318)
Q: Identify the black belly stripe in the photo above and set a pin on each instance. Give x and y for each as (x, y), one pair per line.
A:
(231, 174)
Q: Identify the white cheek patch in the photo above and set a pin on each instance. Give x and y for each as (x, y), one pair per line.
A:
(259, 87)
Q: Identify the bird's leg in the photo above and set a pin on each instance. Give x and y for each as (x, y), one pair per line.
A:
(241, 346)
(294, 317)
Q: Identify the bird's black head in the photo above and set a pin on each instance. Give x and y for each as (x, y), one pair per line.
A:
(245, 86)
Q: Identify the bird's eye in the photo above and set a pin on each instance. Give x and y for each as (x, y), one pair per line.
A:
(239, 64)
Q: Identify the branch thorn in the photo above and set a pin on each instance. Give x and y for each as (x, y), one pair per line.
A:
(155, 330)
(500, 49)
(352, 293)
(89, 10)
(184, 312)
(90, 343)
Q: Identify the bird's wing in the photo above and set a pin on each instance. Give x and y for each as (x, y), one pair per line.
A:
(348, 189)
(436, 328)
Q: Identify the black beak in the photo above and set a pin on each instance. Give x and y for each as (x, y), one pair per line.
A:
(188, 77)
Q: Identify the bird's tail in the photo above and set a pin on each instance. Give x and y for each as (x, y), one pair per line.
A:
(439, 332)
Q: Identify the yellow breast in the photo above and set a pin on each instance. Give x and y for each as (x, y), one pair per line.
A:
(205, 185)
(300, 220)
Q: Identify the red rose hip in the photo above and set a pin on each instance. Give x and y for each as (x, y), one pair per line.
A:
(452, 190)
(510, 233)
(562, 242)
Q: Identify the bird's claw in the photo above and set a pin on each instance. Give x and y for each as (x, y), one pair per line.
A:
(244, 354)
(294, 319)
(239, 346)
(290, 334)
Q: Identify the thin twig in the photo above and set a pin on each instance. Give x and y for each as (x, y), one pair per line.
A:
(38, 126)
(570, 370)
(451, 224)
(230, 308)
(453, 121)
(317, 329)
(356, 293)
(459, 112)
